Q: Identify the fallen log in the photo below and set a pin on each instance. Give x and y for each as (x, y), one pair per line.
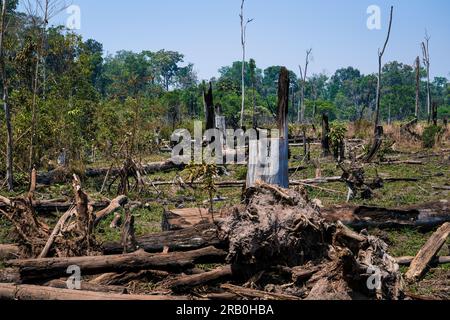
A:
(445, 188)
(123, 278)
(184, 283)
(49, 268)
(257, 294)
(424, 216)
(56, 231)
(397, 162)
(193, 238)
(30, 293)
(428, 253)
(9, 251)
(10, 275)
(50, 206)
(406, 261)
(115, 205)
(87, 286)
(184, 218)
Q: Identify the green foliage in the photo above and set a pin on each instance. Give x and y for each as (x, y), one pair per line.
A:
(430, 134)
(338, 130)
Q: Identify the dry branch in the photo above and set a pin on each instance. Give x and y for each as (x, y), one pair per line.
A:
(428, 253)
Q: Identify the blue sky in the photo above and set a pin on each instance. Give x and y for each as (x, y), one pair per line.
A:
(208, 31)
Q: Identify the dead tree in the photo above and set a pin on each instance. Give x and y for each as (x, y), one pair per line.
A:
(258, 166)
(209, 108)
(325, 136)
(303, 75)
(9, 134)
(244, 25)
(417, 88)
(426, 62)
(378, 128)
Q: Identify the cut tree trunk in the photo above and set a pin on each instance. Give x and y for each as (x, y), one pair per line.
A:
(197, 237)
(428, 252)
(28, 292)
(273, 169)
(34, 269)
(184, 218)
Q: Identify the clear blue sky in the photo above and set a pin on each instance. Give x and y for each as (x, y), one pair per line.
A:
(208, 31)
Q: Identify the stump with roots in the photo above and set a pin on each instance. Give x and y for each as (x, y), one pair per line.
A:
(280, 228)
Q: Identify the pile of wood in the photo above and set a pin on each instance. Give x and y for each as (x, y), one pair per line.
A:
(278, 245)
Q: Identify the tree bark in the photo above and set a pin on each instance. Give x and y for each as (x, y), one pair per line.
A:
(6, 108)
(9, 251)
(115, 205)
(417, 88)
(35, 269)
(86, 286)
(28, 292)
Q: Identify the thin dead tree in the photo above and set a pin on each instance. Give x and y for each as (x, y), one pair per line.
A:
(417, 88)
(426, 62)
(378, 140)
(9, 134)
(303, 76)
(40, 11)
(244, 25)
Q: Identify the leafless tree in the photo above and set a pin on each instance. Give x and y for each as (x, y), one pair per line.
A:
(244, 24)
(9, 142)
(303, 76)
(40, 11)
(417, 87)
(426, 62)
(380, 63)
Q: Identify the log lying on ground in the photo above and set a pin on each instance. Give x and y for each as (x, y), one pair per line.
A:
(61, 175)
(50, 268)
(406, 261)
(10, 275)
(185, 218)
(426, 216)
(87, 286)
(257, 294)
(187, 282)
(115, 205)
(123, 278)
(428, 253)
(29, 292)
(50, 206)
(199, 236)
(9, 251)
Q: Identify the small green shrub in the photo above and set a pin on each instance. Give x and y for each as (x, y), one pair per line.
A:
(430, 134)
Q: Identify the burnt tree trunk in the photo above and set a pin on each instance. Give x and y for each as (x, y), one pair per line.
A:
(325, 136)
(210, 111)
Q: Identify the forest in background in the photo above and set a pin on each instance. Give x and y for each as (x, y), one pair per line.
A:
(63, 93)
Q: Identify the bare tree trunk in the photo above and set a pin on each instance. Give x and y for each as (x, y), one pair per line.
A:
(243, 41)
(34, 110)
(417, 88)
(209, 108)
(426, 61)
(9, 134)
(325, 136)
(301, 110)
(380, 62)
